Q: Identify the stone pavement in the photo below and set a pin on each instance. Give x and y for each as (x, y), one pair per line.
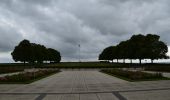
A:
(86, 85)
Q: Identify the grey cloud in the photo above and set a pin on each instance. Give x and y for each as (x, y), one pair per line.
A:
(9, 37)
(95, 24)
(106, 19)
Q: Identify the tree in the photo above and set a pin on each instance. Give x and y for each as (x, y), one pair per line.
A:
(107, 54)
(156, 49)
(137, 47)
(159, 51)
(39, 53)
(115, 53)
(122, 50)
(53, 55)
(22, 52)
(31, 52)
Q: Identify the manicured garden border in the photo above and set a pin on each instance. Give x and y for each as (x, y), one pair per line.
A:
(30, 81)
(130, 80)
(158, 68)
(6, 70)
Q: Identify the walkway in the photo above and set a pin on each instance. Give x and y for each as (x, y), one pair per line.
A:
(86, 85)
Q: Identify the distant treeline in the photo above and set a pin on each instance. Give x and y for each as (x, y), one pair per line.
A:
(34, 53)
(137, 47)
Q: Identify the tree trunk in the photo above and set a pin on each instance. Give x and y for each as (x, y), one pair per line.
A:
(24, 62)
(140, 60)
(131, 61)
(117, 60)
(152, 61)
(123, 60)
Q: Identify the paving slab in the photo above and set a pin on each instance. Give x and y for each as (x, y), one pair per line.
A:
(52, 97)
(8, 87)
(70, 97)
(18, 97)
(89, 97)
(85, 85)
(147, 95)
(107, 96)
(71, 81)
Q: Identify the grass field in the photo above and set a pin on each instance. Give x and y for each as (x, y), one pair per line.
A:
(27, 77)
(85, 65)
(163, 67)
(5, 70)
(134, 76)
(65, 65)
(159, 68)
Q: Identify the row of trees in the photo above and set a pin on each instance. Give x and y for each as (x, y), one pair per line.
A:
(137, 47)
(31, 52)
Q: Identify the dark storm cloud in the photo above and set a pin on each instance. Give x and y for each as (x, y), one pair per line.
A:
(95, 24)
(8, 40)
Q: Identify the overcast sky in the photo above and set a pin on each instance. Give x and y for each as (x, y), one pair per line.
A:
(95, 24)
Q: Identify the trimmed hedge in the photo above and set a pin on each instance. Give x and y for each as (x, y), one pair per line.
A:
(158, 68)
(133, 75)
(27, 77)
(4, 70)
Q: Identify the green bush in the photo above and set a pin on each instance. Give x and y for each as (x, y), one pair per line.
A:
(160, 68)
(27, 76)
(133, 75)
(4, 70)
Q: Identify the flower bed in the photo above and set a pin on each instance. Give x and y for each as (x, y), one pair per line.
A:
(27, 77)
(4, 70)
(134, 75)
(158, 68)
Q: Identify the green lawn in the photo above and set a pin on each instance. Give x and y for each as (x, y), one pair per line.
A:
(5, 70)
(134, 76)
(160, 68)
(27, 77)
(85, 65)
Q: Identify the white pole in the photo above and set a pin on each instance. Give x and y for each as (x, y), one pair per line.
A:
(79, 52)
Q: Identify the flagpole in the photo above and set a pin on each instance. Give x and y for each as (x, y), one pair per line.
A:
(79, 52)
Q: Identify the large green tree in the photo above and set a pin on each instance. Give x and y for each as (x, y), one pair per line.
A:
(155, 49)
(31, 52)
(137, 47)
(108, 54)
(122, 50)
(53, 55)
(22, 52)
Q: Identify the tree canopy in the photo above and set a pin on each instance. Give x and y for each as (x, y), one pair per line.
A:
(31, 52)
(137, 47)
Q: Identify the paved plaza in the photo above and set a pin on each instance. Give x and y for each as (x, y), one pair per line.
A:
(86, 85)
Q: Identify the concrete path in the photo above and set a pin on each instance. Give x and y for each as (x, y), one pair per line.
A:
(86, 85)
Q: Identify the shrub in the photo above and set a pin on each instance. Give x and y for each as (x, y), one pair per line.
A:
(27, 76)
(4, 70)
(159, 68)
(133, 75)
